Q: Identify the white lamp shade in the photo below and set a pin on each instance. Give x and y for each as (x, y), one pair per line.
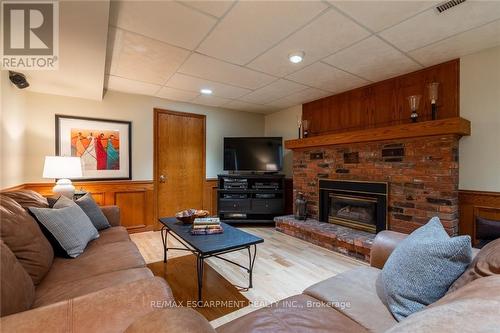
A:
(62, 167)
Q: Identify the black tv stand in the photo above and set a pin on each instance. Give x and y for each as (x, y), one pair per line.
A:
(250, 198)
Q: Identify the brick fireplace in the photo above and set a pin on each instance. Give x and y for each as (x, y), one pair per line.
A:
(421, 176)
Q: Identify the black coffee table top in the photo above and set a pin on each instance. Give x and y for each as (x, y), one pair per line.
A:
(230, 239)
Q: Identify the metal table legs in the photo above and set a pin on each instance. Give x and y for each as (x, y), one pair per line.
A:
(200, 258)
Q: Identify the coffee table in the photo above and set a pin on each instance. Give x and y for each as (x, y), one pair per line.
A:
(207, 246)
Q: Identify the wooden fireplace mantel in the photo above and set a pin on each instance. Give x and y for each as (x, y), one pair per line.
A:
(458, 126)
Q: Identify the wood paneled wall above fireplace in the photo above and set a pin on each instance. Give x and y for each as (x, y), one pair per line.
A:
(385, 103)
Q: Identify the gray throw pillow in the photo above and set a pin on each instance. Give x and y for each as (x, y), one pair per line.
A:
(422, 268)
(70, 227)
(89, 206)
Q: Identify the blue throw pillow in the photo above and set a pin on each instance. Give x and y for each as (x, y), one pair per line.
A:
(69, 226)
(422, 268)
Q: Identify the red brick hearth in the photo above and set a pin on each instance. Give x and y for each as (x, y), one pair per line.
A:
(422, 174)
(354, 243)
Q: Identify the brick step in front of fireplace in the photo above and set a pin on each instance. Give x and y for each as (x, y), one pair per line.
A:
(348, 241)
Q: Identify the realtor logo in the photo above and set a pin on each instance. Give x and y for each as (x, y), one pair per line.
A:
(30, 35)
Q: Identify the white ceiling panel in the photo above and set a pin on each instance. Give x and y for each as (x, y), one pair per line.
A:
(130, 86)
(83, 27)
(275, 90)
(210, 68)
(323, 76)
(210, 100)
(459, 45)
(379, 15)
(176, 94)
(251, 27)
(431, 26)
(250, 107)
(167, 21)
(186, 82)
(379, 60)
(330, 32)
(144, 59)
(310, 94)
(216, 8)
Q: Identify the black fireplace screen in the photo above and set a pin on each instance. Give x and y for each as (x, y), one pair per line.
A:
(353, 211)
(359, 205)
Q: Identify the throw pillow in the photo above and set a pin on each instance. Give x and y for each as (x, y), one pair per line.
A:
(27, 198)
(89, 206)
(21, 233)
(422, 267)
(70, 226)
(485, 263)
(16, 286)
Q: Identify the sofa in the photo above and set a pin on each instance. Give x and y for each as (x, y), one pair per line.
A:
(350, 302)
(103, 290)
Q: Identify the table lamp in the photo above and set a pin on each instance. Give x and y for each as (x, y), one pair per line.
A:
(62, 168)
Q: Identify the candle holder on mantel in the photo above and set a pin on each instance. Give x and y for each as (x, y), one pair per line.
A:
(433, 96)
(305, 128)
(414, 101)
(299, 126)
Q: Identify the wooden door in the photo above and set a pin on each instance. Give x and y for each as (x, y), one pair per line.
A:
(179, 161)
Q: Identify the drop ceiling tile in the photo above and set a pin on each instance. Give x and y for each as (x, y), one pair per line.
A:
(459, 45)
(378, 15)
(140, 58)
(215, 8)
(186, 82)
(251, 27)
(167, 21)
(431, 26)
(210, 100)
(131, 86)
(323, 76)
(249, 107)
(304, 96)
(176, 94)
(373, 59)
(275, 90)
(330, 32)
(213, 69)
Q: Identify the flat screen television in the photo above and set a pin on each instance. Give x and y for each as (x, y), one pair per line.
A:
(263, 154)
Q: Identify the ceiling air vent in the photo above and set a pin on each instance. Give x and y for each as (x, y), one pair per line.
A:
(447, 5)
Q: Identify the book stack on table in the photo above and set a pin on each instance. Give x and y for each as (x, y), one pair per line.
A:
(206, 226)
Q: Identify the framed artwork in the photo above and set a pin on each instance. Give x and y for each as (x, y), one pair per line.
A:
(103, 145)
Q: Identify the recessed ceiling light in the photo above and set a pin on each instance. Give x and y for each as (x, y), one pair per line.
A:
(206, 91)
(296, 57)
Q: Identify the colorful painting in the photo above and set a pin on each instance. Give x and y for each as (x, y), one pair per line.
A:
(102, 145)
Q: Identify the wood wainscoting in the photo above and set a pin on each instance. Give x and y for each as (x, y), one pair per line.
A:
(135, 199)
(474, 204)
(210, 195)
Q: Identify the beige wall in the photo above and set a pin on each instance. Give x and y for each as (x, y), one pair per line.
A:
(284, 123)
(40, 127)
(12, 136)
(480, 103)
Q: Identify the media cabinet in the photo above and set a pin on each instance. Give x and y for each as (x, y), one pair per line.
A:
(250, 198)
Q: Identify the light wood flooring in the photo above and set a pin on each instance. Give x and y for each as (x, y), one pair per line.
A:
(285, 266)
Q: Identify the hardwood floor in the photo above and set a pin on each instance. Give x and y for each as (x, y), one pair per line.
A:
(285, 266)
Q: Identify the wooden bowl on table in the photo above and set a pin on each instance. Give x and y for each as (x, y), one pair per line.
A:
(189, 215)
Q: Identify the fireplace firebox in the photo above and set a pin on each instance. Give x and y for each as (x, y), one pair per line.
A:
(355, 204)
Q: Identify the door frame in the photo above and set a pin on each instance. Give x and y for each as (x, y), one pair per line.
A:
(156, 113)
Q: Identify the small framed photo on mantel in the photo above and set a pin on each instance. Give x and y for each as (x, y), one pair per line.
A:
(105, 146)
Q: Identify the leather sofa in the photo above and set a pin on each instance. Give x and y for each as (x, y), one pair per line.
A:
(350, 303)
(103, 290)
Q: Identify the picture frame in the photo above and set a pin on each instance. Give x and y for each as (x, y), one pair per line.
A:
(104, 145)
